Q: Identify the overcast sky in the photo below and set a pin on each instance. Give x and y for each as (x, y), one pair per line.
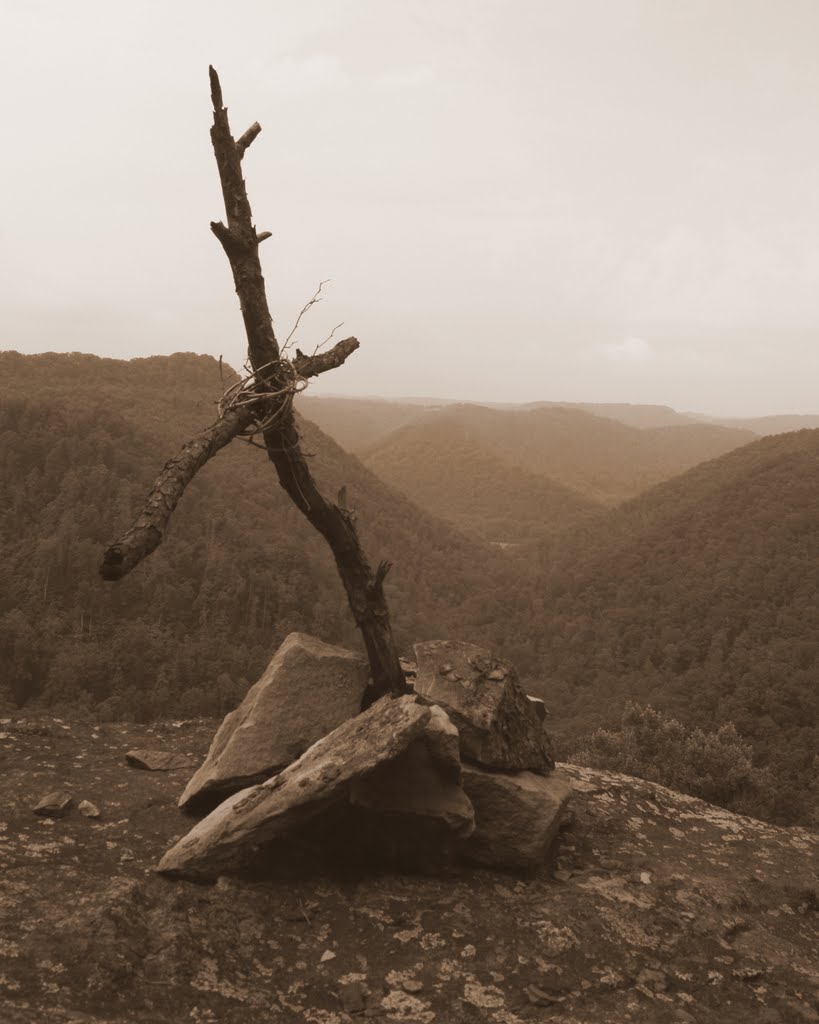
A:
(580, 200)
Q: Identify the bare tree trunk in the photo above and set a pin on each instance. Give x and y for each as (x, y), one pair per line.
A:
(269, 412)
(365, 588)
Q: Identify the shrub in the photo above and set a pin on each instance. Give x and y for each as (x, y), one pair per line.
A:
(715, 766)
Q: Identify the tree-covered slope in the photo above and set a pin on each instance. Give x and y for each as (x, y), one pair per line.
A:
(700, 597)
(239, 567)
(453, 475)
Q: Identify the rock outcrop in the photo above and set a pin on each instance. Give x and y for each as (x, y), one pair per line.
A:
(653, 908)
(498, 725)
(226, 838)
(393, 776)
(308, 689)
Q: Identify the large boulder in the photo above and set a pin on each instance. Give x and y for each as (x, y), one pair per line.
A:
(308, 689)
(226, 839)
(516, 816)
(498, 726)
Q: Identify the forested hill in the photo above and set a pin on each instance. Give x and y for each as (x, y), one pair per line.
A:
(603, 460)
(238, 570)
(701, 597)
(360, 423)
(356, 423)
(167, 397)
(452, 474)
(643, 416)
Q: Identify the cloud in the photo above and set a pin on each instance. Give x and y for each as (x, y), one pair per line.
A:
(630, 349)
(410, 78)
(296, 76)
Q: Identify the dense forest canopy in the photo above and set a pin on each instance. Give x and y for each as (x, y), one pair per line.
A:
(699, 596)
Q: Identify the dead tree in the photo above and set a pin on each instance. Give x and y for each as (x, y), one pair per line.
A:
(262, 406)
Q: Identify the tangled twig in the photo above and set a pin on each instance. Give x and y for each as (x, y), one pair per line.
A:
(308, 305)
(255, 389)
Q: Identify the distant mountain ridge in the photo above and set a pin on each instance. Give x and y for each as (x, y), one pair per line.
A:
(357, 423)
(764, 425)
(603, 460)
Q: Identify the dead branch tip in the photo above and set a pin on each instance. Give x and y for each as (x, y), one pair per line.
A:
(215, 89)
(312, 366)
(244, 141)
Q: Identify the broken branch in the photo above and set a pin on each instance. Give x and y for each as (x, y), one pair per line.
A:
(148, 529)
(246, 140)
(320, 362)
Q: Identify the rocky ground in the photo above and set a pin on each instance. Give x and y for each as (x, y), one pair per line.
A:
(655, 908)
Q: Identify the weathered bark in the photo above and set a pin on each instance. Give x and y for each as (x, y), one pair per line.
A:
(275, 377)
(365, 588)
(239, 238)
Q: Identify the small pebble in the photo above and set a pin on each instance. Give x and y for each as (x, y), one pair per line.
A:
(88, 809)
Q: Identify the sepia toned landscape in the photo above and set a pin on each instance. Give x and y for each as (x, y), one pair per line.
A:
(461, 669)
(671, 634)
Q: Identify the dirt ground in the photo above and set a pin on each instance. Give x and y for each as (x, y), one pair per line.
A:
(654, 908)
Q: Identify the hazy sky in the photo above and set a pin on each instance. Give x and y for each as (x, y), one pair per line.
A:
(599, 200)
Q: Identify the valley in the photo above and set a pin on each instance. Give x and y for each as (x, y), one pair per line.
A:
(675, 564)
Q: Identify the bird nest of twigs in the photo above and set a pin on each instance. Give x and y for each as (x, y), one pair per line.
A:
(268, 392)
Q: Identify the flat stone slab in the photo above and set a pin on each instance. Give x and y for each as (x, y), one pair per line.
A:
(498, 726)
(423, 782)
(225, 840)
(308, 689)
(516, 816)
(54, 805)
(157, 760)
